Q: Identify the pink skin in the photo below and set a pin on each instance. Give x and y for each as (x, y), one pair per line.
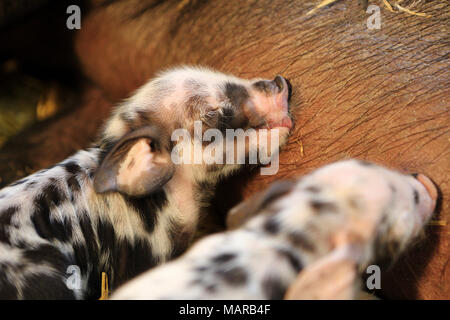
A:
(429, 185)
(427, 206)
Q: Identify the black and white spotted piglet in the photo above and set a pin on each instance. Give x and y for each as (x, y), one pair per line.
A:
(124, 206)
(322, 228)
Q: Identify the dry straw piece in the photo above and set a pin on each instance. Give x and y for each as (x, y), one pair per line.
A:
(439, 223)
(104, 288)
(392, 6)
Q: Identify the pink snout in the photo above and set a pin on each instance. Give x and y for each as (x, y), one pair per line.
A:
(429, 185)
(269, 103)
(431, 191)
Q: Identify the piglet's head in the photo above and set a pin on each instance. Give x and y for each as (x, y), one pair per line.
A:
(141, 137)
(346, 204)
(382, 211)
(340, 217)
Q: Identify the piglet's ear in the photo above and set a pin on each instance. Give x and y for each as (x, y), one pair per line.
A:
(137, 165)
(333, 277)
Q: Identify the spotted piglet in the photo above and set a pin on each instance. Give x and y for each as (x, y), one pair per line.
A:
(312, 236)
(124, 205)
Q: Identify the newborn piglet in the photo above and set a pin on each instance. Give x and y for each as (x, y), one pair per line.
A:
(127, 204)
(308, 238)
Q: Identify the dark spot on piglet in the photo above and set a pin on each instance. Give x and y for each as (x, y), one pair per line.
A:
(7, 289)
(236, 94)
(385, 247)
(30, 184)
(152, 203)
(80, 253)
(200, 269)
(231, 118)
(197, 281)
(264, 86)
(46, 254)
(276, 191)
(295, 262)
(36, 287)
(46, 227)
(273, 288)
(179, 238)
(211, 288)
(106, 236)
(91, 243)
(321, 206)
(301, 240)
(6, 215)
(72, 167)
(313, 189)
(18, 182)
(51, 194)
(4, 235)
(74, 186)
(234, 276)
(271, 225)
(365, 163)
(5, 220)
(193, 85)
(223, 258)
(393, 189)
(416, 196)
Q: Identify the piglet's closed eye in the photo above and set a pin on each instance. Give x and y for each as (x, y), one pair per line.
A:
(137, 165)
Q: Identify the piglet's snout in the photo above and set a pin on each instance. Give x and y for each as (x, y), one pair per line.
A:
(429, 185)
(270, 102)
(431, 191)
